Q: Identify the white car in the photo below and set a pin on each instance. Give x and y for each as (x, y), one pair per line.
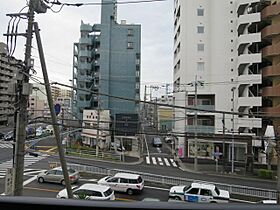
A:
(89, 192)
(199, 192)
(124, 182)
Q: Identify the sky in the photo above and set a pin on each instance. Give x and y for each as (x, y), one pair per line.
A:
(60, 30)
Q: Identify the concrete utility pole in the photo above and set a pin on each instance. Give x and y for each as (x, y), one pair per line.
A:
(23, 104)
(53, 115)
(278, 170)
(195, 124)
(232, 145)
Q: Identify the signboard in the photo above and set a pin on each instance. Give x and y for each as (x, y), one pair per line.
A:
(9, 181)
(57, 108)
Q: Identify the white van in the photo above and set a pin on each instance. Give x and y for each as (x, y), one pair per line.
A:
(124, 182)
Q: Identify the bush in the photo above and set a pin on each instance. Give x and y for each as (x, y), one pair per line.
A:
(264, 173)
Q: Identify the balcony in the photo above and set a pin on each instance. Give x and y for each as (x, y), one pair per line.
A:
(270, 11)
(205, 107)
(85, 53)
(249, 101)
(271, 50)
(271, 111)
(271, 71)
(271, 31)
(271, 91)
(250, 79)
(245, 122)
(246, 39)
(249, 58)
(85, 78)
(85, 65)
(246, 19)
(200, 129)
(85, 40)
(242, 4)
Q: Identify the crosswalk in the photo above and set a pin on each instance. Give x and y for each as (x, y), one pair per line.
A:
(6, 145)
(162, 161)
(28, 161)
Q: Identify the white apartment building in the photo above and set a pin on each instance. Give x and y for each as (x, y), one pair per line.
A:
(216, 47)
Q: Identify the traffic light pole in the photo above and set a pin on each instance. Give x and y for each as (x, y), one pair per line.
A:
(53, 115)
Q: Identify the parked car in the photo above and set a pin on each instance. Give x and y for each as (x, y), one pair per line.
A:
(124, 182)
(9, 136)
(56, 175)
(90, 192)
(157, 142)
(2, 135)
(199, 192)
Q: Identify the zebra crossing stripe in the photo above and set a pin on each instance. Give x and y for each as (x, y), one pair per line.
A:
(154, 160)
(6, 146)
(173, 163)
(160, 161)
(148, 160)
(166, 161)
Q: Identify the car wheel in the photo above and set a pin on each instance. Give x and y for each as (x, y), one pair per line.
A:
(177, 198)
(129, 191)
(41, 180)
(62, 182)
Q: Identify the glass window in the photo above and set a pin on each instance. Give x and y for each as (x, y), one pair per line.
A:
(200, 66)
(205, 192)
(108, 192)
(193, 191)
(200, 12)
(200, 47)
(129, 45)
(114, 180)
(122, 180)
(52, 172)
(58, 172)
(94, 193)
(200, 29)
(130, 32)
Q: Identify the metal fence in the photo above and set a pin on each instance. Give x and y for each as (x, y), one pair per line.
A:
(233, 189)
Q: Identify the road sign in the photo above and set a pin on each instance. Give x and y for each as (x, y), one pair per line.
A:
(9, 181)
(57, 108)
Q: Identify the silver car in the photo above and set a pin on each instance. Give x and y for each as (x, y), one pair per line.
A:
(56, 175)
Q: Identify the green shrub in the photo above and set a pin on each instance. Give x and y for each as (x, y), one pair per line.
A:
(264, 173)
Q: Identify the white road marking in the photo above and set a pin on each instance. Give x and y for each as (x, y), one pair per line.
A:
(173, 163)
(154, 160)
(160, 161)
(148, 160)
(166, 161)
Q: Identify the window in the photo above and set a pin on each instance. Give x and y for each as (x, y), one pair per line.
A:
(200, 12)
(130, 45)
(122, 180)
(130, 32)
(114, 180)
(205, 192)
(193, 191)
(200, 66)
(200, 29)
(200, 47)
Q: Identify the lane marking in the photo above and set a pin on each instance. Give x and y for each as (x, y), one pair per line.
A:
(148, 160)
(26, 182)
(154, 160)
(166, 161)
(160, 161)
(124, 199)
(157, 188)
(173, 163)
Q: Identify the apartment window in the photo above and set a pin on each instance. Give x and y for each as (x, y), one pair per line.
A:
(200, 66)
(130, 32)
(200, 29)
(200, 12)
(129, 45)
(200, 47)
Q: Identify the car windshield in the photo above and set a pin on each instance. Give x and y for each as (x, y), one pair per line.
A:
(108, 192)
(146, 97)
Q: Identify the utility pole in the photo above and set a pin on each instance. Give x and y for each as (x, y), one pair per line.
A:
(224, 141)
(98, 121)
(278, 170)
(23, 104)
(53, 115)
(232, 145)
(195, 124)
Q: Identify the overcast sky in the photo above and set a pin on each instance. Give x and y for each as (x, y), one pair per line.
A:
(60, 30)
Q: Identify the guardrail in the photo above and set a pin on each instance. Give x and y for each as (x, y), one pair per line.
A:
(233, 189)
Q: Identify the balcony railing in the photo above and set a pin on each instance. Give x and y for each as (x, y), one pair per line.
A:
(200, 129)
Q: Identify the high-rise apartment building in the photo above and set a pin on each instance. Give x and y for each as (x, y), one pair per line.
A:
(229, 50)
(107, 61)
(9, 68)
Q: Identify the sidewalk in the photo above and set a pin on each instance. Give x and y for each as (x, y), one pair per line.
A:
(211, 170)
